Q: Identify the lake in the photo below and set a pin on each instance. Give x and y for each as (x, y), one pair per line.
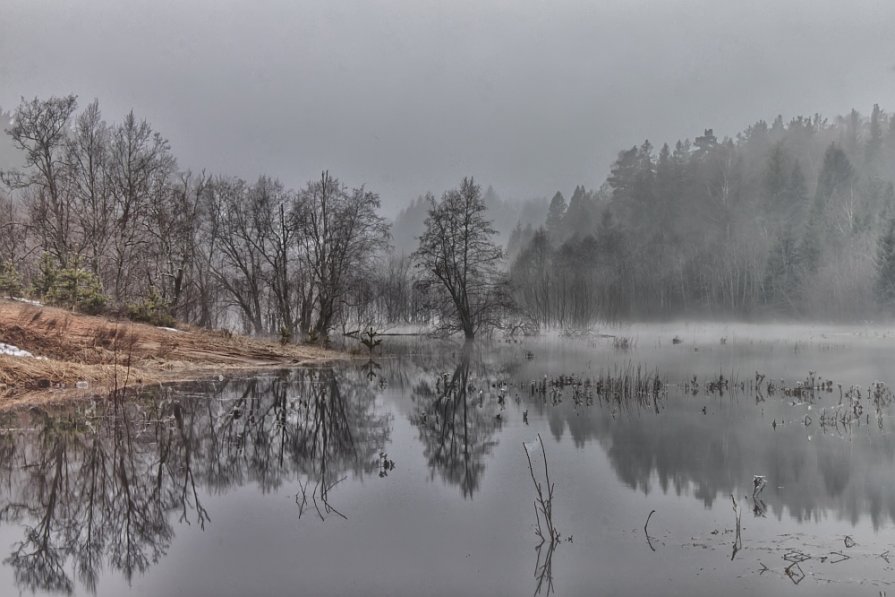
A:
(693, 459)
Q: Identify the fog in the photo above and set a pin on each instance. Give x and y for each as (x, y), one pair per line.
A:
(406, 97)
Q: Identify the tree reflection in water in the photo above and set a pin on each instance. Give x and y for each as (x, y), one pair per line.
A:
(458, 417)
(99, 487)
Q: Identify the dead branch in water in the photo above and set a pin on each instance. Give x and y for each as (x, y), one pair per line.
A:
(645, 532)
(738, 541)
(544, 502)
(543, 505)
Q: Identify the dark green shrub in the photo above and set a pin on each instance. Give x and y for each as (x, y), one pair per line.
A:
(153, 309)
(76, 288)
(47, 272)
(10, 282)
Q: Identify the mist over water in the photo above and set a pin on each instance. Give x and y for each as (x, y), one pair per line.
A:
(614, 283)
(271, 481)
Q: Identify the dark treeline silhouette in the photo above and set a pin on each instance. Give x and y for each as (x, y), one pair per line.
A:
(787, 219)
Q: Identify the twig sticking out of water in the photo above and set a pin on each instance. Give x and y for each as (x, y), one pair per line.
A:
(544, 502)
(549, 537)
(646, 532)
(738, 541)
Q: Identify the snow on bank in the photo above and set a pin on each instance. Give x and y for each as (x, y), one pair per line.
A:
(29, 301)
(13, 351)
(161, 327)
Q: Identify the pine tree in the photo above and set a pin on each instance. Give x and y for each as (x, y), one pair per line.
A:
(875, 141)
(555, 214)
(782, 274)
(10, 282)
(885, 281)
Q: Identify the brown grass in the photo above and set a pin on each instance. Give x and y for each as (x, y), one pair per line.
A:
(78, 347)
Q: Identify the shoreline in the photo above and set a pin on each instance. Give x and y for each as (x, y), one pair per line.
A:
(82, 355)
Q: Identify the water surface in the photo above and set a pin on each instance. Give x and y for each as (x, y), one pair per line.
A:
(407, 475)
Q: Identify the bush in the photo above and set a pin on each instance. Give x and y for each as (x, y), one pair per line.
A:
(75, 288)
(47, 272)
(153, 309)
(10, 282)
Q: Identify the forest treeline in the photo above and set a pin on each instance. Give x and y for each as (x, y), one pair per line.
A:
(100, 218)
(787, 219)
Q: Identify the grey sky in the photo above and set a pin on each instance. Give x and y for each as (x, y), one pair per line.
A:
(409, 96)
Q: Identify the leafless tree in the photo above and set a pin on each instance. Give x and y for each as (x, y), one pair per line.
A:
(172, 225)
(140, 166)
(460, 261)
(86, 160)
(39, 130)
(340, 233)
(238, 263)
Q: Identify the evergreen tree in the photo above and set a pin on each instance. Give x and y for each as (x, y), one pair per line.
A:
(775, 178)
(577, 221)
(885, 281)
(835, 174)
(875, 139)
(10, 282)
(782, 273)
(811, 247)
(555, 214)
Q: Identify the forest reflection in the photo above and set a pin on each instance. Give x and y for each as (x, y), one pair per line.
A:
(100, 488)
(103, 487)
(458, 415)
(814, 471)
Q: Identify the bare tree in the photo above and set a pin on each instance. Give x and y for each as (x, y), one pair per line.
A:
(141, 163)
(39, 130)
(271, 208)
(340, 234)
(459, 261)
(173, 225)
(86, 159)
(238, 263)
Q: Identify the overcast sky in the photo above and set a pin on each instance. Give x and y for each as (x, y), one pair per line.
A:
(409, 96)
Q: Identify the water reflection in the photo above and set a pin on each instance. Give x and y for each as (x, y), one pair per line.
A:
(685, 441)
(710, 446)
(105, 487)
(458, 415)
(100, 488)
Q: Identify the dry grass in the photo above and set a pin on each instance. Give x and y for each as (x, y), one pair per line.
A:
(78, 347)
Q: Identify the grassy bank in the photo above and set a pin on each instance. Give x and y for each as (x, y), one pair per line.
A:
(69, 348)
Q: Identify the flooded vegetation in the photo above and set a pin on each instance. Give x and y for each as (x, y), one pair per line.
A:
(548, 466)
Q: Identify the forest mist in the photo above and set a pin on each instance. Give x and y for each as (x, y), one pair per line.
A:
(788, 219)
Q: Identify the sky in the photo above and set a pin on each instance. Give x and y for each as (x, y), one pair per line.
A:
(409, 96)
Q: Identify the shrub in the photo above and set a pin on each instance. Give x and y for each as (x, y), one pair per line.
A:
(10, 282)
(47, 272)
(77, 289)
(153, 309)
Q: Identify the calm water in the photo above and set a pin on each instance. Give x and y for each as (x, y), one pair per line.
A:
(374, 479)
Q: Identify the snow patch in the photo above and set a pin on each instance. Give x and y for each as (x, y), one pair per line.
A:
(161, 327)
(29, 301)
(13, 351)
